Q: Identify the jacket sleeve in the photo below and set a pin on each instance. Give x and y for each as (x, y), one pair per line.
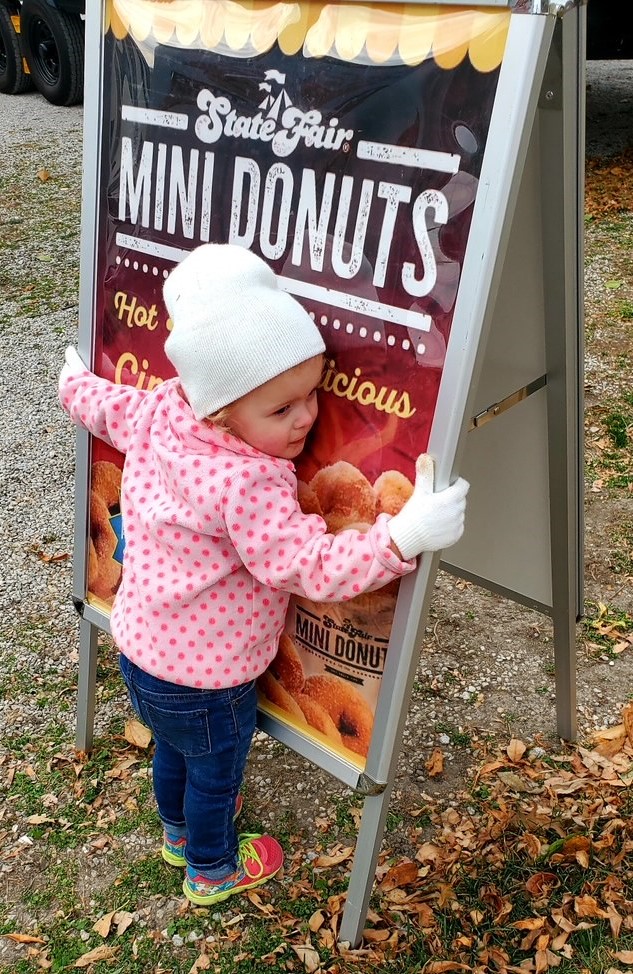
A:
(103, 408)
(293, 552)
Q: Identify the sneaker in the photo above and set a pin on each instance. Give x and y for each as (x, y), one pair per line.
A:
(173, 850)
(260, 858)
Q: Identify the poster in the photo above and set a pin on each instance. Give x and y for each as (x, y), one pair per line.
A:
(343, 143)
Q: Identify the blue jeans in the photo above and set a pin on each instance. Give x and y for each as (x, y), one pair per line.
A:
(202, 740)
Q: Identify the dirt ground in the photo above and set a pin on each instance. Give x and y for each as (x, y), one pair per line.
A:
(486, 673)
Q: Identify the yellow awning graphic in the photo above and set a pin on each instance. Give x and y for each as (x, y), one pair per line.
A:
(391, 33)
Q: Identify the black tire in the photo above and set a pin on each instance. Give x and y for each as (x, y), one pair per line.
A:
(54, 48)
(13, 78)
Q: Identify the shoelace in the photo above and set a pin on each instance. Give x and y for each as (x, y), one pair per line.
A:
(248, 851)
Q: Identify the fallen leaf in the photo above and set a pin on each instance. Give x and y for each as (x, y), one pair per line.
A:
(516, 783)
(440, 966)
(43, 175)
(375, 936)
(123, 920)
(335, 859)
(201, 963)
(516, 749)
(435, 764)
(626, 956)
(316, 921)
(23, 938)
(104, 924)
(401, 874)
(137, 734)
(587, 906)
(308, 955)
(103, 952)
(627, 719)
(542, 884)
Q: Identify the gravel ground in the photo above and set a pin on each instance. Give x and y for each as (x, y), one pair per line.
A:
(486, 664)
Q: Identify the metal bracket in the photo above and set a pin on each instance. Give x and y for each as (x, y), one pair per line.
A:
(501, 407)
(367, 786)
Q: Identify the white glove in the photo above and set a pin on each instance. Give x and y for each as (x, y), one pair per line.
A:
(73, 360)
(429, 521)
(72, 366)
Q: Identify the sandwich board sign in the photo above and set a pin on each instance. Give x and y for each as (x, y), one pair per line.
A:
(412, 173)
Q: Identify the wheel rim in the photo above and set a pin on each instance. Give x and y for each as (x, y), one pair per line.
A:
(45, 49)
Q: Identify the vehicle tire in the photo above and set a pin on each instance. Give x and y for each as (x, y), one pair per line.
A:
(54, 48)
(13, 78)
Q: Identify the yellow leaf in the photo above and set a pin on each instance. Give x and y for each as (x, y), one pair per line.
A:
(137, 734)
(43, 175)
(23, 938)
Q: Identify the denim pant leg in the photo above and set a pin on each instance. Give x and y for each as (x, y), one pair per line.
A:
(211, 730)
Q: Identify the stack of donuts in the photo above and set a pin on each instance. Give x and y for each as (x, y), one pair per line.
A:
(344, 498)
(326, 703)
(104, 573)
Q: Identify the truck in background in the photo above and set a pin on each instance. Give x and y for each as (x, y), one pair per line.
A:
(42, 47)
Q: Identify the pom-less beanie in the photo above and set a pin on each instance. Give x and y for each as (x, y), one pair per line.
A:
(233, 328)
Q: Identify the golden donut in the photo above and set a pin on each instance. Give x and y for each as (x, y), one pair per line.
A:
(308, 500)
(103, 540)
(345, 495)
(351, 714)
(392, 490)
(318, 717)
(287, 667)
(106, 482)
(272, 690)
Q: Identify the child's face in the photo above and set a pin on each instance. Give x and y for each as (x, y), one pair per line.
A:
(277, 417)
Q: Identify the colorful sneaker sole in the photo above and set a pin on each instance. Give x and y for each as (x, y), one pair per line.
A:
(208, 898)
(172, 854)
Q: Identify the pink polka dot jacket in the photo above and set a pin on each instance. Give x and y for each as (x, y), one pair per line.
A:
(215, 538)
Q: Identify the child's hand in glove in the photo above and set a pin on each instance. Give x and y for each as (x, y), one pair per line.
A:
(429, 521)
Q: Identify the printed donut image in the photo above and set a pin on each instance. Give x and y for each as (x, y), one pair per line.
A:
(352, 717)
(308, 500)
(103, 577)
(318, 717)
(272, 690)
(392, 491)
(345, 495)
(104, 573)
(287, 667)
(105, 480)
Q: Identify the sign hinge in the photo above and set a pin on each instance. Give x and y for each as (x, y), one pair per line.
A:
(367, 786)
(504, 404)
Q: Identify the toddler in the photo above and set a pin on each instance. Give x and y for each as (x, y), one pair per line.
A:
(216, 541)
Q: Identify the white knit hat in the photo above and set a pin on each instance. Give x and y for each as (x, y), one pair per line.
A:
(233, 328)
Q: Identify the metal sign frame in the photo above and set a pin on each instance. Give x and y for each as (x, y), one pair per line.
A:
(537, 123)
